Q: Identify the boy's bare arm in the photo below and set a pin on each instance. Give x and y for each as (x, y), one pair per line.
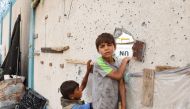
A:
(85, 78)
(122, 91)
(119, 73)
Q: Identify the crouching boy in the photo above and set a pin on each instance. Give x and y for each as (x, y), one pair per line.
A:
(72, 92)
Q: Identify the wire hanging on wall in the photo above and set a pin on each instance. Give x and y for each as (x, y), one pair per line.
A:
(70, 8)
(64, 9)
(45, 28)
(67, 14)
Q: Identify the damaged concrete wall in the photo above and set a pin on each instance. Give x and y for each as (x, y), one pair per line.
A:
(163, 25)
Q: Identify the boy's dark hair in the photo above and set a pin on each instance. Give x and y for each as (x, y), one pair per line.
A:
(67, 88)
(105, 38)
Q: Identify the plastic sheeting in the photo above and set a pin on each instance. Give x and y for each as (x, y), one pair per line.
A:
(171, 90)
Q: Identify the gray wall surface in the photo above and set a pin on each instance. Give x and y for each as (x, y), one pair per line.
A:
(162, 24)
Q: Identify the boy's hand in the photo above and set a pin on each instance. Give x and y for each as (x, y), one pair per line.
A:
(126, 60)
(89, 66)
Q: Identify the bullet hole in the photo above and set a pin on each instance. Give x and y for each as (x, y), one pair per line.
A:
(185, 38)
(69, 35)
(144, 24)
(130, 23)
(169, 24)
(177, 22)
(172, 57)
(184, 0)
(119, 22)
(180, 60)
(62, 66)
(154, 2)
(152, 62)
(42, 62)
(148, 21)
(166, 63)
(181, 17)
(46, 17)
(50, 64)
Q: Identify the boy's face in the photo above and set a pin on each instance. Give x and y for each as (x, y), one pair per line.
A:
(106, 49)
(77, 94)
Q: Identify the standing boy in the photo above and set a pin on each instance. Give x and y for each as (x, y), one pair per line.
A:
(72, 92)
(108, 82)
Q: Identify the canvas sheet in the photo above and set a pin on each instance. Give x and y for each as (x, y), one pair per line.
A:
(171, 90)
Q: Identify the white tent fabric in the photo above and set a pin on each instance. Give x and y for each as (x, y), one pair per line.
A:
(171, 90)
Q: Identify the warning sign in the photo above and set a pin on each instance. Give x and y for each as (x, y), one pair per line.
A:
(123, 50)
(124, 42)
